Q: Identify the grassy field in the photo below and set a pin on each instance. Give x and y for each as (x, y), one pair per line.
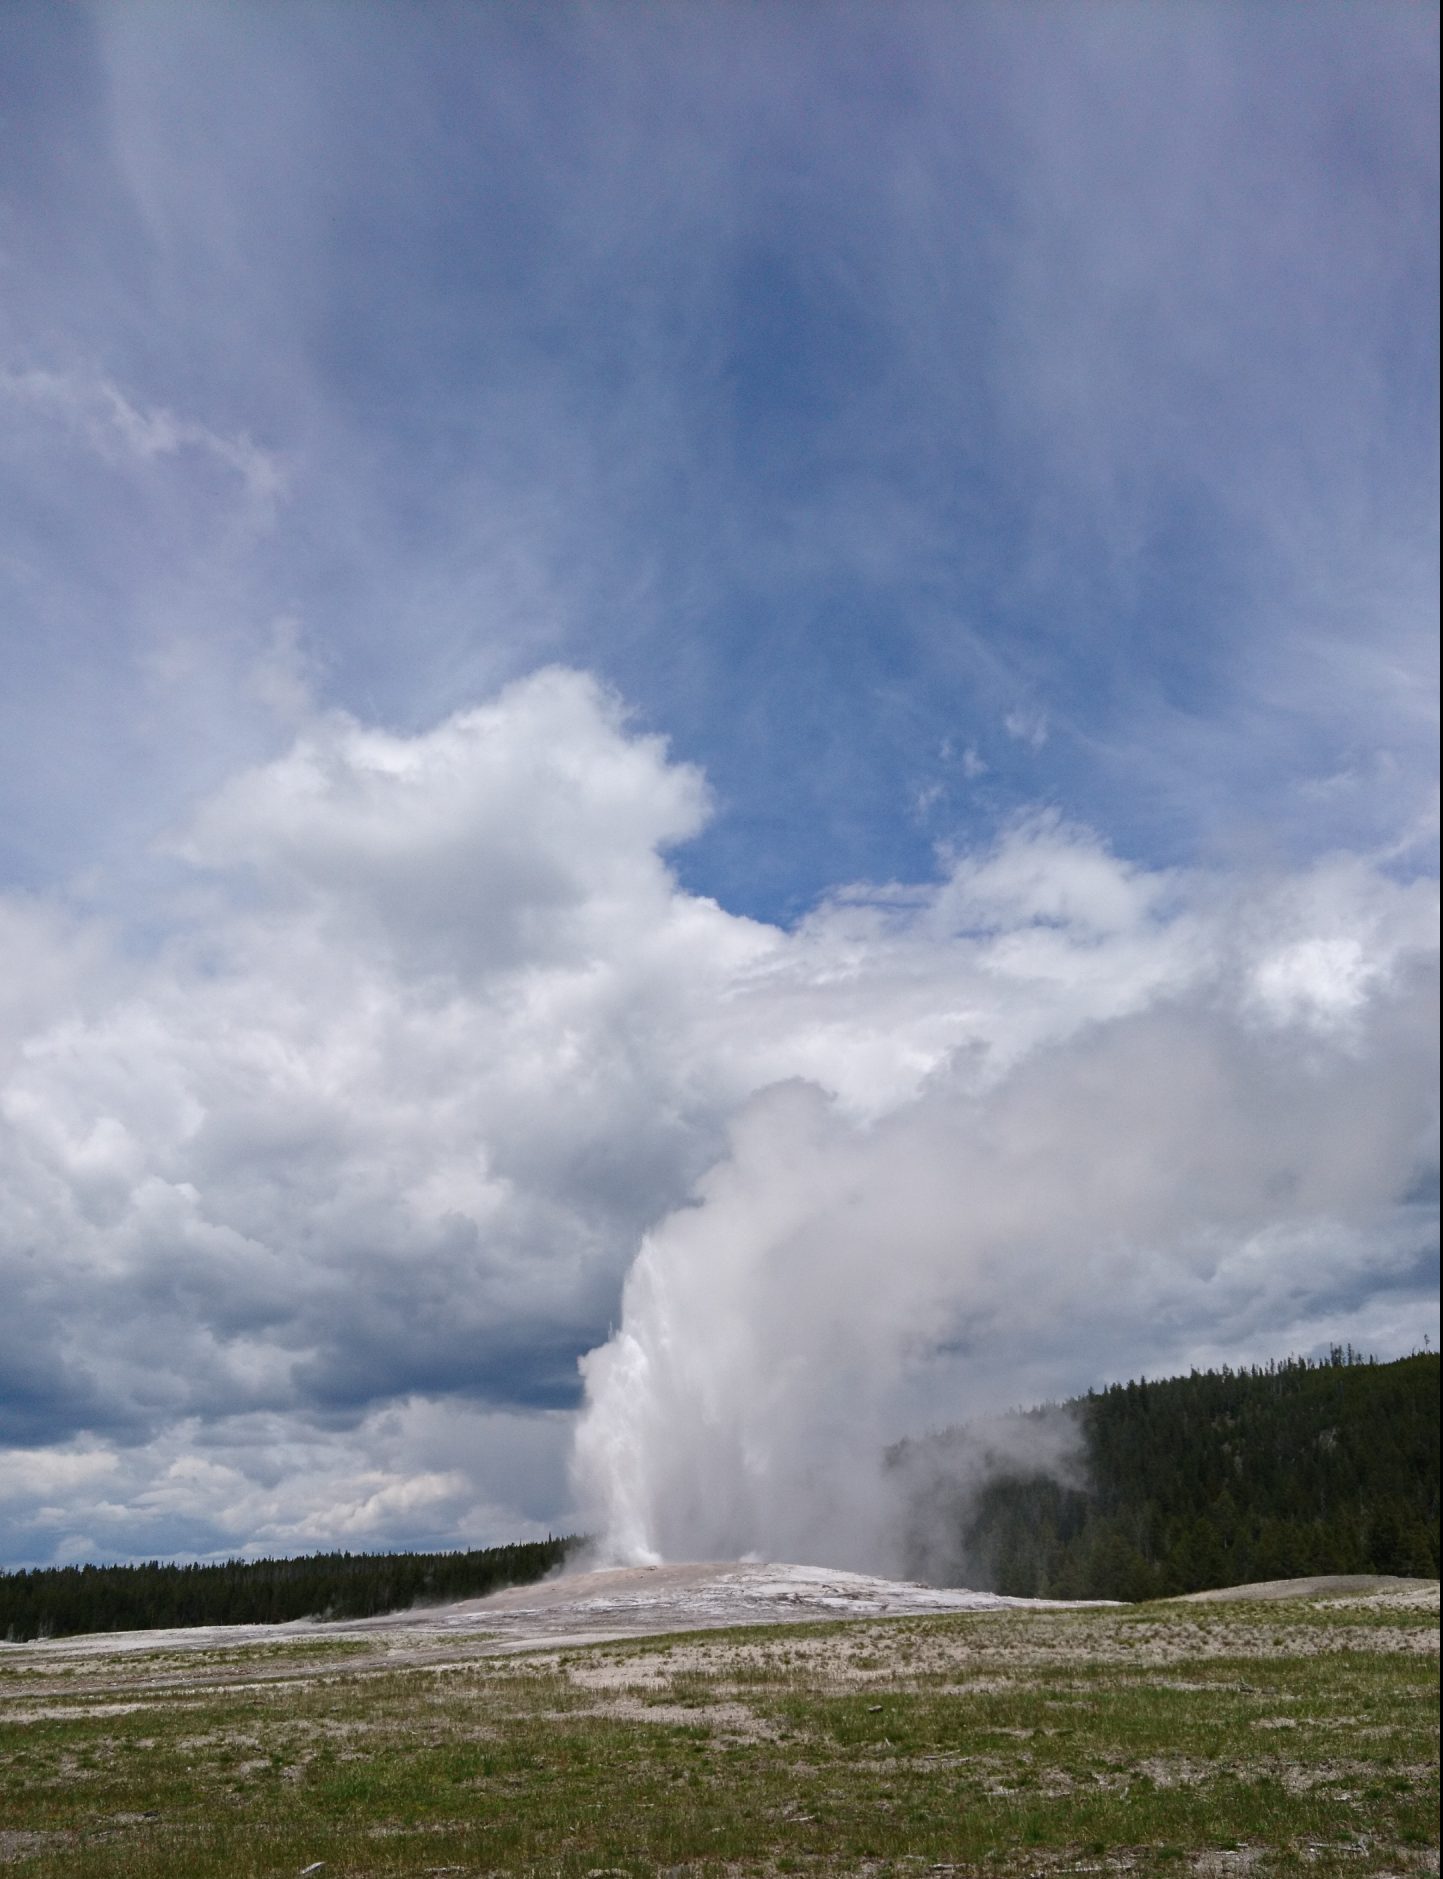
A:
(1258, 1739)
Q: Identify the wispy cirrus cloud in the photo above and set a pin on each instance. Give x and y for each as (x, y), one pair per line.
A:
(1089, 369)
(97, 414)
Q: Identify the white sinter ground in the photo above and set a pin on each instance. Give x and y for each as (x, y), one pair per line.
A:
(614, 1602)
(641, 1601)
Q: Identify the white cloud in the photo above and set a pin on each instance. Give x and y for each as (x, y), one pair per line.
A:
(96, 412)
(1027, 726)
(284, 673)
(360, 1149)
(527, 830)
(414, 1473)
(387, 1111)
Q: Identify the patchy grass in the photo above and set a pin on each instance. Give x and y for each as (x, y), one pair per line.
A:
(1260, 1739)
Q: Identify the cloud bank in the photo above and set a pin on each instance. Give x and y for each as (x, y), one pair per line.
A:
(317, 1178)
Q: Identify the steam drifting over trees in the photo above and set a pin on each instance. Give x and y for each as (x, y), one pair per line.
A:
(1218, 1478)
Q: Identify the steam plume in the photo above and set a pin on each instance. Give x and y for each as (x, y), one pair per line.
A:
(1234, 1156)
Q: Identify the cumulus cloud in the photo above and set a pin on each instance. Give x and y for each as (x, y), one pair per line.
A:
(385, 1113)
(526, 832)
(318, 1176)
(418, 1473)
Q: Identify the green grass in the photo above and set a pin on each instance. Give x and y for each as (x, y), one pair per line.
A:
(1259, 1739)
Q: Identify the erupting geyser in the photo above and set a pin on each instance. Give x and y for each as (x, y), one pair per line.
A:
(738, 1409)
(1001, 1238)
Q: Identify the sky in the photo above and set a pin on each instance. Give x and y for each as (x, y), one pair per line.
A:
(718, 739)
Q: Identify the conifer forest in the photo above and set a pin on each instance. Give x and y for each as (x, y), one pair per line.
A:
(61, 1601)
(1219, 1478)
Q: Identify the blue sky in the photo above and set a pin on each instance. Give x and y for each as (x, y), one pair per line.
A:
(590, 531)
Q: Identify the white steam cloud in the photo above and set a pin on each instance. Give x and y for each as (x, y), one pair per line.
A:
(1223, 1137)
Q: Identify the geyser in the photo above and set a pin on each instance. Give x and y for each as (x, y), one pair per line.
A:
(741, 1405)
(1197, 1181)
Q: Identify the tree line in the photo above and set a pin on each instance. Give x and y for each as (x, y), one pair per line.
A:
(1218, 1478)
(61, 1601)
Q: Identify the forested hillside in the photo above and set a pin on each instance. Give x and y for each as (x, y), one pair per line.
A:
(59, 1601)
(1213, 1479)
